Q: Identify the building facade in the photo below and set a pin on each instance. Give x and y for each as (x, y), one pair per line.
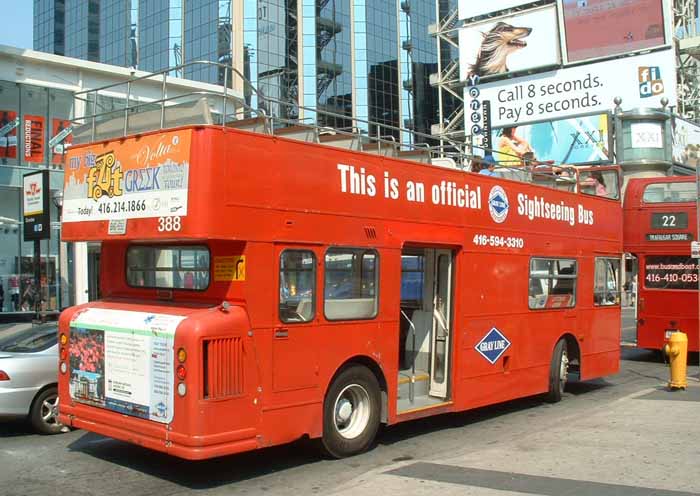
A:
(39, 100)
(324, 61)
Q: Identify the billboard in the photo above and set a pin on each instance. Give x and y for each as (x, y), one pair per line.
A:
(620, 26)
(513, 43)
(686, 143)
(473, 8)
(578, 140)
(35, 206)
(641, 81)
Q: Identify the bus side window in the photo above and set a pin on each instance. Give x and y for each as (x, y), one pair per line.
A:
(351, 282)
(297, 291)
(606, 286)
(552, 283)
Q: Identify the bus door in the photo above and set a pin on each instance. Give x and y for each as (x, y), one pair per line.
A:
(442, 326)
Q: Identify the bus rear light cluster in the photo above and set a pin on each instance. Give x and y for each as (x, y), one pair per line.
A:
(63, 353)
(4, 376)
(181, 372)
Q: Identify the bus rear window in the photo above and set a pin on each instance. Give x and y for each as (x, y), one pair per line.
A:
(670, 193)
(168, 267)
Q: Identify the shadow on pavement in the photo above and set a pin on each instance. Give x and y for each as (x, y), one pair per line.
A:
(199, 475)
(15, 428)
(218, 472)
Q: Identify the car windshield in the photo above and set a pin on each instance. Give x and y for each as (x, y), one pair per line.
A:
(31, 340)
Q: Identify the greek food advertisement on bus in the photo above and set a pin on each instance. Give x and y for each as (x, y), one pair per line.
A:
(140, 178)
(124, 361)
(579, 140)
(641, 81)
(620, 26)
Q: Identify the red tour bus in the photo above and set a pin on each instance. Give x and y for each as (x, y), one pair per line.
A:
(257, 289)
(660, 219)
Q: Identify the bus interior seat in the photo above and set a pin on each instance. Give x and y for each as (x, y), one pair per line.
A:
(564, 286)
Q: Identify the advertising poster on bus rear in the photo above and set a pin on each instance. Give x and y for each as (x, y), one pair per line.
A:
(123, 361)
(142, 178)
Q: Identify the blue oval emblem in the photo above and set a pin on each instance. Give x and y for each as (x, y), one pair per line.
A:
(498, 204)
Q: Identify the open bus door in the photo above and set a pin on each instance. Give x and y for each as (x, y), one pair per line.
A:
(442, 304)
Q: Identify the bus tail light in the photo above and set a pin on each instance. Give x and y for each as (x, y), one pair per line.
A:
(181, 355)
(63, 354)
(4, 376)
(181, 372)
(64, 339)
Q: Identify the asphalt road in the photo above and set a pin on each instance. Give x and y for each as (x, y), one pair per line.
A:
(82, 463)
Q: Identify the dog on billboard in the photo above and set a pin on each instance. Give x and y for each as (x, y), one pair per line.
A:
(499, 43)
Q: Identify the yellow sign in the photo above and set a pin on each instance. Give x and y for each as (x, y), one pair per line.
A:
(227, 269)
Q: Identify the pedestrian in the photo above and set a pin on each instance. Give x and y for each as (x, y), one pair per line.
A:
(13, 289)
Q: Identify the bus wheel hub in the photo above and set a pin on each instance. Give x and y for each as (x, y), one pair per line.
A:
(343, 411)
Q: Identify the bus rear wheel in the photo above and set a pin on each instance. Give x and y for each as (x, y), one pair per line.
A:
(558, 372)
(351, 412)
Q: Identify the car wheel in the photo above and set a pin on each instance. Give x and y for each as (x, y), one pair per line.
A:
(558, 372)
(351, 412)
(44, 415)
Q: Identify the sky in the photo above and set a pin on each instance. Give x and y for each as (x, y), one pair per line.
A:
(17, 24)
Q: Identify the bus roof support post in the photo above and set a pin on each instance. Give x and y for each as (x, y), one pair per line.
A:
(163, 96)
(223, 106)
(126, 108)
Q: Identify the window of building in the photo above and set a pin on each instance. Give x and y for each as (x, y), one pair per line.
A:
(606, 289)
(670, 193)
(168, 267)
(552, 283)
(9, 123)
(297, 286)
(351, 276)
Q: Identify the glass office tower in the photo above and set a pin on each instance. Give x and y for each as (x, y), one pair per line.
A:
(338, 60)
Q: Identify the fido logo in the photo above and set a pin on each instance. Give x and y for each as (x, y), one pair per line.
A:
(650, 82)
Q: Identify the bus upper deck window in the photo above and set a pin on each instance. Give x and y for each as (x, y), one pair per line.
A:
(603, 183)
(168, 267)
(670, 193)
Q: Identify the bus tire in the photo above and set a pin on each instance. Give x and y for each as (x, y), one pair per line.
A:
(351, 412)
(558, 372)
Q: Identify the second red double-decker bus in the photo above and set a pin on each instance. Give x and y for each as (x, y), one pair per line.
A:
(257, 289)
(660, 219)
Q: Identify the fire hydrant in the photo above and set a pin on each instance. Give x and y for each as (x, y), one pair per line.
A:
(677, 352)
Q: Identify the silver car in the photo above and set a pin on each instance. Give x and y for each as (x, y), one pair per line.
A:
(28, 376)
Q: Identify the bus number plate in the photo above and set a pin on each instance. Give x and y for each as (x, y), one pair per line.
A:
(169, 224)
(669, 220)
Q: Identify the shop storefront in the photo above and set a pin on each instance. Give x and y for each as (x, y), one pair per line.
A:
(34, 124)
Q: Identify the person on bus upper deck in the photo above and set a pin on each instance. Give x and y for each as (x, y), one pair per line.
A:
(596, 183)
(488, 166)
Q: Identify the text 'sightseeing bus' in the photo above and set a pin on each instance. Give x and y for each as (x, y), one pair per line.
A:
(257, 289)
(660, 221)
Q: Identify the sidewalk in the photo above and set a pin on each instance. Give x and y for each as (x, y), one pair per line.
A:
(642, 444)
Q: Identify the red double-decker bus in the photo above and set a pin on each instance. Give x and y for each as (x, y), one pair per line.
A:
(258, 289)
(660, 221)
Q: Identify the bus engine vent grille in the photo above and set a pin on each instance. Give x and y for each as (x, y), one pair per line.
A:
(370, 232)
(223, 367)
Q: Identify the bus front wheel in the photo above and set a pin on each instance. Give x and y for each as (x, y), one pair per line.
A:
(558, 372)
(351, 412)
